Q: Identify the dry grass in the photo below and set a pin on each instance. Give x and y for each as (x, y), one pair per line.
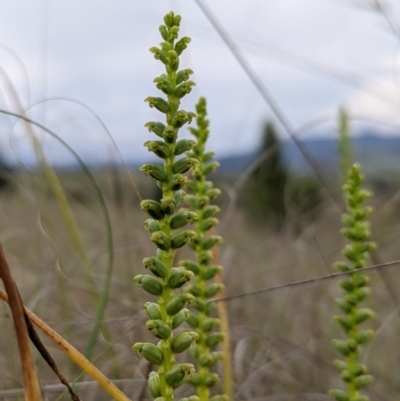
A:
(280, 340)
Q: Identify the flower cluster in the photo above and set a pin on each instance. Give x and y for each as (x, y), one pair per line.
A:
(355, 290)
(165, 223)
(202, 191)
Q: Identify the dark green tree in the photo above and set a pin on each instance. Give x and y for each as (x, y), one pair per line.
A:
(263, 196)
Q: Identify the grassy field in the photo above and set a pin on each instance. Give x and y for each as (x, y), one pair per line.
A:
(281, 348)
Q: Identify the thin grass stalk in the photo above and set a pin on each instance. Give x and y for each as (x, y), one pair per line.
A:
(74, 355)
(102, 303)
(31, 382)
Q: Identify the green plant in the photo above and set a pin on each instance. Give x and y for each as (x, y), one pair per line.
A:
(355, 290)
(202, 191)
(169, 312)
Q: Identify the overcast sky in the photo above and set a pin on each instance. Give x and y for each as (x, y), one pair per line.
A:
(313, 56)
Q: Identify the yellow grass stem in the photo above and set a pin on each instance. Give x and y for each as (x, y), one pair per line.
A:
(75, 355)
(31, 382)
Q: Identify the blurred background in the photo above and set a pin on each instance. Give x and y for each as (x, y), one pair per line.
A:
(83, 69)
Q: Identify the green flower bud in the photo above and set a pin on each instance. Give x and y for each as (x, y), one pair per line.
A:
(211, 380)
(152, 208)
(173, 33)
(150, 352)
(209, 211)
(344, 322)
(195, 351)
(205, 257)
(183, 75)
(179, 373)
(159, 148)
(213, 193)
(362, 381)
(183, 146)
(159, 103)
(210, 272)
(179, 276)
(208, 223)
(182, 218)
(362, 293)
(154, 170)
(168, 205)
(149, 284)
(341, 266)
(363, 336)
(183, 89)
(183, 341)
(344, 305)
(194, 289)
(195, 379)
(177, 182)
(177, 303)
(151, 225)
(209, 324)
(156, 127)
(180, 238)
(211, 241)
(339, 395)
(181, 45)
(184, 165)
(156, 266)
(213, 289)
(159, 54)
(341, 365)
(193, 320)
(360, 280)
(169, 19)
(152, 310)
(344, 347)
(179, 196)
(180, 318)
(362, 315)
(347, 285)
(209, 168)
(214, 338)
(180, 118)
(200, 304)
(161, 240)
(164, 84)
(201, 201)
(154, 384)
(210, 308)
(163, 31)
(190, 265)
(173, 60)
(209, 359)
(159, 328)
(359, 370)
(170, 134)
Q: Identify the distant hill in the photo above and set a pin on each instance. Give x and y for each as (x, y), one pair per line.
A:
(377, 154)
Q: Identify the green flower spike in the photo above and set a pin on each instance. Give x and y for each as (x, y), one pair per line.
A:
(165, 224)
(202, 192)
(355, 290)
